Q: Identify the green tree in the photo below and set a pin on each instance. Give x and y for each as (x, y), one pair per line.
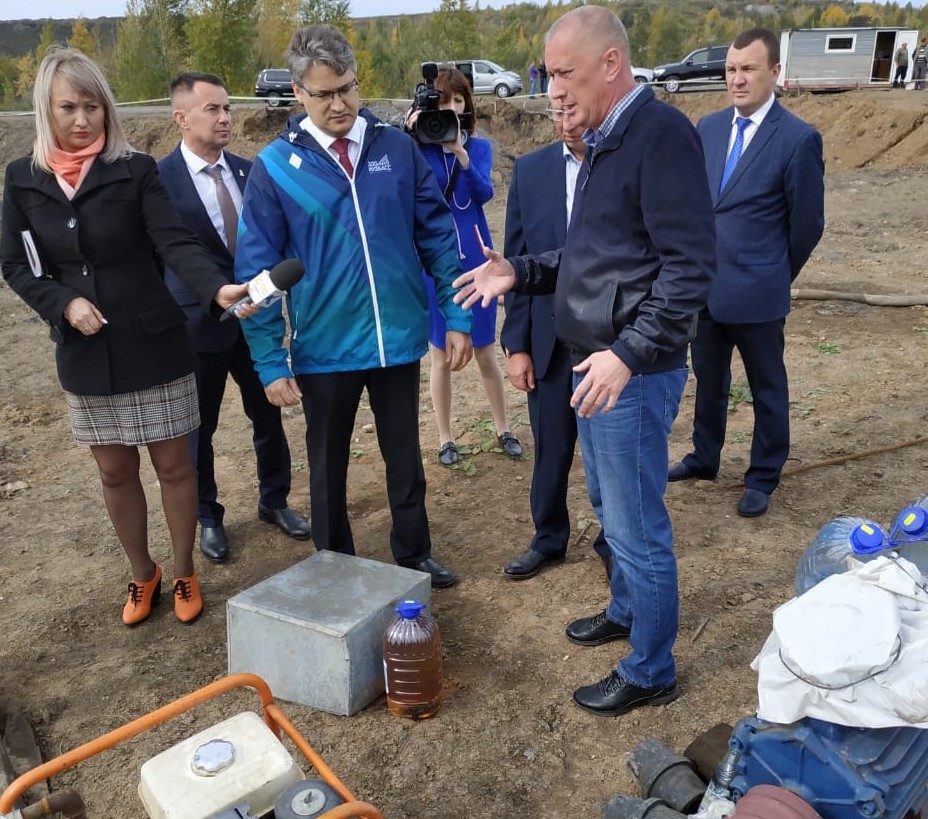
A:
(220, 35)
(367, 78)
(25, 75)
(82, 39)
(8, 77)
(451, 31)
(47, 39)
(150, 49)
(277, 20)
(665, 36)
(334, 12)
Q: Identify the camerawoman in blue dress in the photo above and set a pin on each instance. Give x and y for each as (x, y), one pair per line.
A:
(463, 171)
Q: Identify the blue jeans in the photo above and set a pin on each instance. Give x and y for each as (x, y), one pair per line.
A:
(625, 458)
(531, 87)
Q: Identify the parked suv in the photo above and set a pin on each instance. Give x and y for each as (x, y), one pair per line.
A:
(274, 84)
(488, 78)
(703, 64)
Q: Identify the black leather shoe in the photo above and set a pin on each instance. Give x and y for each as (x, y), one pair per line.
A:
(510, 445)
(614, 696)
(529, 564)
(753, 503)
(213, 543)
(289, 522)
(596, 630)
(442, 576)
(682, 472)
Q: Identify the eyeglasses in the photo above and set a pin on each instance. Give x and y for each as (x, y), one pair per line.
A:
(554, 114)
(328, 97)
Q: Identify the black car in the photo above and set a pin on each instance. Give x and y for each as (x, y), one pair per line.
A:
(275, 84)
(701, 65)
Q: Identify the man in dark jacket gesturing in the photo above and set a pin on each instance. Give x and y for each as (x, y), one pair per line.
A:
(630, 281)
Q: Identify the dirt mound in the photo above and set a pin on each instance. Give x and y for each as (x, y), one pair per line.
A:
(881, 128)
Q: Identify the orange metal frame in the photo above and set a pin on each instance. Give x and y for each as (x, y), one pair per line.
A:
(273, 717)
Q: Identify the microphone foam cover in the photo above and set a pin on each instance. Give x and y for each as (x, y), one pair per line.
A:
(286, 273)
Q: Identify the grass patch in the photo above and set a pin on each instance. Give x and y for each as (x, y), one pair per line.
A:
(739, 393)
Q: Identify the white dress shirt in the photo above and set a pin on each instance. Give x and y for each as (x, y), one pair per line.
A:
(355, 137)
(206, 187)
(572, 167)
(756, 119)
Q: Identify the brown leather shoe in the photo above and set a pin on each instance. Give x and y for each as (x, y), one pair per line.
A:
(143, 594)
(188, 605)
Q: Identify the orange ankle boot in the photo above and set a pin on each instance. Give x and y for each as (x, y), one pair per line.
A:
(143, 594)
(187, 601)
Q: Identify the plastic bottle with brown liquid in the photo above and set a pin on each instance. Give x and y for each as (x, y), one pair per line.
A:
(412, 665)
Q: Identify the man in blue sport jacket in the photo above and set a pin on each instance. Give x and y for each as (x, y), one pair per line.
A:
(354, 200)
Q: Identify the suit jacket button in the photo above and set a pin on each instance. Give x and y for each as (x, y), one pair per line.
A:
(84, 270)
(72, 223)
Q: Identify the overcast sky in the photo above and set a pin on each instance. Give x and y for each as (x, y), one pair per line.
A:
(66, 9)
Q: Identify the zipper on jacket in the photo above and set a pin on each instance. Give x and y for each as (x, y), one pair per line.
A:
(367, 257)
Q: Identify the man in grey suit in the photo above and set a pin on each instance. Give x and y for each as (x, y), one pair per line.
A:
(766, 175)
(541, 195)
(205, 183)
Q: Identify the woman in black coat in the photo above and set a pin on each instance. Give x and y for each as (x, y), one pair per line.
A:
(85, 226)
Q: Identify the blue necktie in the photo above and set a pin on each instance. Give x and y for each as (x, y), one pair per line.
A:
(732, 162)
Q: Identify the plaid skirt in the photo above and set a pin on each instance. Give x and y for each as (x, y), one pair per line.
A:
(136, 418)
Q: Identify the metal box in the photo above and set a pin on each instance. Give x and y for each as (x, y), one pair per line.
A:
(314, 632)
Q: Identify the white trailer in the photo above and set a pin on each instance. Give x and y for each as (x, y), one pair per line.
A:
(838, 58)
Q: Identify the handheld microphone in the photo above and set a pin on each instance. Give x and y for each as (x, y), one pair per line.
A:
(269, 285)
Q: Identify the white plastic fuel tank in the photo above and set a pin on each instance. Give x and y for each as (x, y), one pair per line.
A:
(239, 760)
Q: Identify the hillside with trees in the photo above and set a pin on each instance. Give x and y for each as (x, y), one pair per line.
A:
(236, 38)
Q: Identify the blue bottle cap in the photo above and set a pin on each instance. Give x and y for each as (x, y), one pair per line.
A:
(867, 538)
(409, 609)
(913, 520)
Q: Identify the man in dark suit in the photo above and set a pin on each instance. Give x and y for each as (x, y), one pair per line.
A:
(766, 174)
(206, 184)
(541, 195)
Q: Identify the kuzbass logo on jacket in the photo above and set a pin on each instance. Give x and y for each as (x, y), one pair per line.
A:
(379, 165)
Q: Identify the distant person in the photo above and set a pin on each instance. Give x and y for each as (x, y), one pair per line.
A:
(920, 63)
(543, 77)
(355, 201)
(902, 65)
(532, 80)
(84, 221)
(541, 197)
(463, 170)
(766, 174)
(206, 184)
(628, 285)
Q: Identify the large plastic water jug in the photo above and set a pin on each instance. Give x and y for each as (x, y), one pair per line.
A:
(412, 663)
(837, 540)
(910, 534)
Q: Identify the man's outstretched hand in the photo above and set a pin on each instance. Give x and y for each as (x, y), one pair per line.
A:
(485, 283)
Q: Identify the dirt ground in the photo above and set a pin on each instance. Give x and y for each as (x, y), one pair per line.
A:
(508, 741)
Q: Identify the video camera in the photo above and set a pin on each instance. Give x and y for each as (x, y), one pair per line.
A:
(432, 125)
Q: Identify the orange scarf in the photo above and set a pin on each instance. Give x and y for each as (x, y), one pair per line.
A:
(69, 165)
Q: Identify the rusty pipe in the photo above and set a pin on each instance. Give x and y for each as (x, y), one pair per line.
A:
(66, 801)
